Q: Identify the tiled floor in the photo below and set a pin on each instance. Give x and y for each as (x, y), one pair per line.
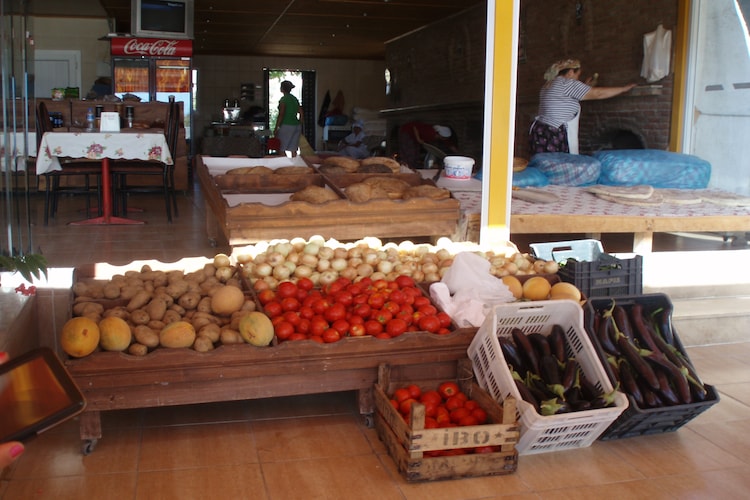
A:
(318, 446)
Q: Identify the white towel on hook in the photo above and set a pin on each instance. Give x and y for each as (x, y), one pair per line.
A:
(657, 52)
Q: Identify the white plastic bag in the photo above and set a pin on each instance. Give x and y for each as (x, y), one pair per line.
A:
(468, 291)
(657, 51)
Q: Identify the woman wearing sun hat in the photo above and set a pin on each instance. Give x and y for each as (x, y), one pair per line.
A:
(289, 121)
(412, 135)
(555, 128)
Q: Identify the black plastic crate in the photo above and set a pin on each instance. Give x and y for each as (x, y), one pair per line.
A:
(636, 421)
(607, 276)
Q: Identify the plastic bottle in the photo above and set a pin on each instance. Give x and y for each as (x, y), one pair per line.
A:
(90, 120)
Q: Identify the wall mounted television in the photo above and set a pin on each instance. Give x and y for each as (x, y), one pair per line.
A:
(162, 18)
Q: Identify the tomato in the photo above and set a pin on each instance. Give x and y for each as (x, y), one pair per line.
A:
(290, 304)
(361, 298)
(316, 338)
(357, 330)
(401, 394)
(392, 307)
(414, 390)
(341, 326)
(429, 324)
(406, 316)
(445, 319)
(395, 327)
(376, 300)
(471, 404)
(428, 310)
(284, 330)
(306, 312)
(394, 403)
(448, 389)
(331, 335)
(404, 281)
(266, 296)
(468, 420)
(286, 289)
(480, 415)
(335, 312)
(320, 305)
(453, 402)
(273, 309)
(318, 325)
(405, 405)
(362, 310)
(365, 282)
(354, 319)
(383, 336)
(344, 297)
(420, 301)
(392, 285)
(298, 336)
(292, 317)
(382, 316)
(429, 423)
(373, 327)
(304, 326)
(305, 284)
(459, 413)
(397, 296)
(301, 294)
(277, 319)
(355, 289)
(443, 331)
(380, 284)
(431, 396)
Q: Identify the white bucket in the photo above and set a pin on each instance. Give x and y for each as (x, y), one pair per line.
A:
(458, 167)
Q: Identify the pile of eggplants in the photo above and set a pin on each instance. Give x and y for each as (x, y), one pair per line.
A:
(546, 377)
(643, 357)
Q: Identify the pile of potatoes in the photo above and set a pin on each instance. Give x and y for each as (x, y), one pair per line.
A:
(210, 299)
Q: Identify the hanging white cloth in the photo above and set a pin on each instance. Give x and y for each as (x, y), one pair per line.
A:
(657, 51)
(572, 127)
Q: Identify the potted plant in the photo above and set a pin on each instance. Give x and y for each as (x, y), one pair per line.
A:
(30, 265)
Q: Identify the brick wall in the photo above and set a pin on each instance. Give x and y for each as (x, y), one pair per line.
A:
(439, 70)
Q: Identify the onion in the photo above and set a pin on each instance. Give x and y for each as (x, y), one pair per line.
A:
(221, 260)
(431, 277)
(327, 277)
(224, 273)
(308, 260)
(325, 253)
(511, 267)
(355, 261)
(538, 266)
(312, 249)
(443, 254)
(303, 271)
(281, 272)
(378, 276)
(349, 273)
(261, 258)
(273, 283)
(260, 285)
(385, 266)
(323, 265)
(391, 276)
(355, 252)
(298, 244)
(293, 257)
(315, 278)
(275, 258)
(551, 267)
(364, 269)
(340, 253)
(263, 269)
(417, 276)
(283, 248)
(429, 268)
(339, 264)
(290, 265)
(371, 257)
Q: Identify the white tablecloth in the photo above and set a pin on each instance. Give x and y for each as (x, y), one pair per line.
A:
(98, 145)
(15, 148)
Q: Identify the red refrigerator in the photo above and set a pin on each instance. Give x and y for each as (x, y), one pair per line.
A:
(153, 69)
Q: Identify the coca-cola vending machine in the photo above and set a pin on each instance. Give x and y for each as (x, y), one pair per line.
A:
(154, 69)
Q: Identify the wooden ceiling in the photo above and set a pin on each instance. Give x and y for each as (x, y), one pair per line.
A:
(331, 29)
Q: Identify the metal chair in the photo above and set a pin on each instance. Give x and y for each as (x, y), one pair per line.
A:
(122, 169)
(85, 169)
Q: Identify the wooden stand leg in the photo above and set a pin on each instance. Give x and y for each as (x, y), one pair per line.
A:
(643, 243)
(90, 430)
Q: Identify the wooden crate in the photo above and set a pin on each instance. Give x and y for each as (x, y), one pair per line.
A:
(341, 219)
(407, 443)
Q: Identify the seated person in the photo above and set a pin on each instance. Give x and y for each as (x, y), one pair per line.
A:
(412, 135)
(353, 145)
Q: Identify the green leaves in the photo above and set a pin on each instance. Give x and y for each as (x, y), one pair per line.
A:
(29, 265)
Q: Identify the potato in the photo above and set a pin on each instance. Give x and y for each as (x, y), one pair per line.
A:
(176, 289)
(156, 325)
(229, 337)
(203, 344)
(176, 275)
(189, 300)
(127, 292)
(156, 309)
(171, 316)
(139, 300)
(160, 279)
(80, 289)
(146, 336)
(137, 349)
(205, 305)
(211, 331)
(111, 291)
(196, 277)
(118, 311)
(139, 317)
(163, 295)
(178, 309)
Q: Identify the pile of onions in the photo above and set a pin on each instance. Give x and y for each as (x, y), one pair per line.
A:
(265, 264)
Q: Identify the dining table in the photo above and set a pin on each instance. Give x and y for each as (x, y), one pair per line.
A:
(128, 144)
(13, 145)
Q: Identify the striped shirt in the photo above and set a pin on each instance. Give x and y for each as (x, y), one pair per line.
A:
(559, 101)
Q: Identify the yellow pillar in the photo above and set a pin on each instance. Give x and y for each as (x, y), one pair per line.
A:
(681, 32)
(499, 120)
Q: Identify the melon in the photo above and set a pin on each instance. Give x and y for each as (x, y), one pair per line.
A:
(227, 300)
(514, 285)
(256, 328)
(177, 334)
(79, 336)
(564, 290)
(536, 288)
(114, 334)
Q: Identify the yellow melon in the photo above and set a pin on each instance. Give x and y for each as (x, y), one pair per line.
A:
(177, 334)
(256, 328)
(79, 337)
(514, 285)
(536, 288)
(227, 300)
(563, 290)
(114, 334)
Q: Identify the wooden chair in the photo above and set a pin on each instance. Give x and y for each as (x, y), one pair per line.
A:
(122, 169)
(71, 168)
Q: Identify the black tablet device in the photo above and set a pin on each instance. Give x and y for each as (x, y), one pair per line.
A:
(36, 393)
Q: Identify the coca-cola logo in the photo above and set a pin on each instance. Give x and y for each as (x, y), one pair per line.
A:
(151, 47)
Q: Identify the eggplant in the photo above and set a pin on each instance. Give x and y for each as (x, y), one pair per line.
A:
(605, 400)
(512, 356)
(569, 374)
(525, 349)
(642, 332)
(622, 322)
(667, 394)
(555, 406)
(556, 341)
(551, 375)
(675, 376)
(524, 391)
(664, 322)
(628, 383)
(604, 336)
(540, 344)
(650, 400)
(632, 354)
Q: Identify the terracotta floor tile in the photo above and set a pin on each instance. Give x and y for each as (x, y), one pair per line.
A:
(725, 484)
(109, 486)
(206, 445)
(733, 437)
(218, 482)
(335, 403)
(228, 411)
(739, 391)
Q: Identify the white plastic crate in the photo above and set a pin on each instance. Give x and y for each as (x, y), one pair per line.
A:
(560, 251)
(539, 433)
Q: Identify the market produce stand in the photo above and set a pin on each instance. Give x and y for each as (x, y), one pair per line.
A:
(167, 377)
(248, 209)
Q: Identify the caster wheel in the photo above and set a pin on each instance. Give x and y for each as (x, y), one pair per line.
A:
(88, 446)
(212, 242)
(369, 421)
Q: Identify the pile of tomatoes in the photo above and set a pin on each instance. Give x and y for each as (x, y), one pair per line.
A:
(446, 406)
(379, 308)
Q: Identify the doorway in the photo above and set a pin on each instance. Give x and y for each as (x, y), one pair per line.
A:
(56, 69)
(304, 90)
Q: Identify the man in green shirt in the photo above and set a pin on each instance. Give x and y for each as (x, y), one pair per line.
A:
(289, 122)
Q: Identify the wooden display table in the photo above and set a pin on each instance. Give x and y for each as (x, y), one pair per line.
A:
(166, 377)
